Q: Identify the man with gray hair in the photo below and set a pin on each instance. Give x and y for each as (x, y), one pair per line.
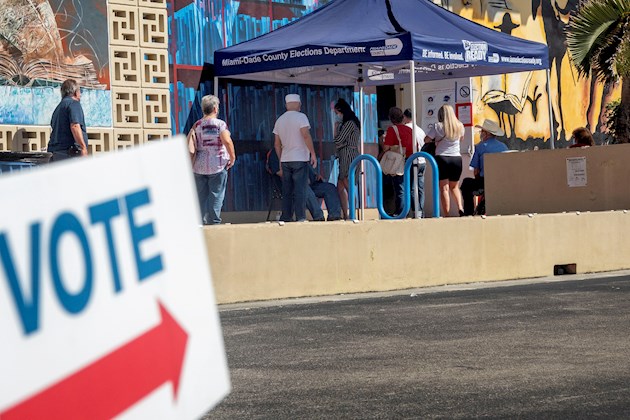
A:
(69, 135)
(294, 147)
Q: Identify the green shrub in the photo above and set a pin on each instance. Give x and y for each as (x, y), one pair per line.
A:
(613, 109)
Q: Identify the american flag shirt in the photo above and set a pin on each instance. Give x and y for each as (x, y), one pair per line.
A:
(211, 155)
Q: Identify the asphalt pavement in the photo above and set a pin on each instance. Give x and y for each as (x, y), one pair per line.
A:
(543, 349)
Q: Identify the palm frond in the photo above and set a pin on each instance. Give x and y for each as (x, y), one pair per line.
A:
(594, 35)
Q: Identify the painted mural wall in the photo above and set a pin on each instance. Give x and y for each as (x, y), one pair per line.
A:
(43, 43)
(199, 27)
(519, 101)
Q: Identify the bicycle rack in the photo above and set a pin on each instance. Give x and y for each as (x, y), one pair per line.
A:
(406, 187)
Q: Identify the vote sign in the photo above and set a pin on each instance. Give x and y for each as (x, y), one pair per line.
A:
(106, 300)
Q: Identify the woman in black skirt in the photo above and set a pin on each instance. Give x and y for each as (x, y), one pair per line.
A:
(347, 137)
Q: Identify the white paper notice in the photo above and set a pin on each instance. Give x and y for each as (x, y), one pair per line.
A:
(576, 172)
(464, 114)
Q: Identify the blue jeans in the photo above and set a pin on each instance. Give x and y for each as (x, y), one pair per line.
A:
(211, 192)
(329, 193)
(312, 204)
(399, 191)
(58, 156)
(421, 169)
(294, 185)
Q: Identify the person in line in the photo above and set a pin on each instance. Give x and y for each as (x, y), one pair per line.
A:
(317, 189)
(488, 144)
(68, 125)
(447, 134)
(394, 131)
(294, 147)
(389, 204)
(420, 162)
(212, 154)
(381, 142)
(582, 138)
(347, 138)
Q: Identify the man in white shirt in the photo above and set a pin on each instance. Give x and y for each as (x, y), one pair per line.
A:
(421, 162)
(294, 147)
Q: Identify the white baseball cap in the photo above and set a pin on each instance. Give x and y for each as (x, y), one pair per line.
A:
(292, 97)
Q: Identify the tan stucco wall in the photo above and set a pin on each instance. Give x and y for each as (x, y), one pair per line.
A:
(268, 261)
(536, 181)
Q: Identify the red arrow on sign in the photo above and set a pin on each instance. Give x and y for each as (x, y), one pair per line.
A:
(114, 383)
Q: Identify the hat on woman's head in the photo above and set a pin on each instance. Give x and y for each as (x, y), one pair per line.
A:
(292, 97)
(491, 127)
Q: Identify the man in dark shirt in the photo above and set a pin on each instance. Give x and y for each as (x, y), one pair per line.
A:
(68, 124)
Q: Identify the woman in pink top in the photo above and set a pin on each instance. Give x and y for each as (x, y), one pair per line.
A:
(212, 153)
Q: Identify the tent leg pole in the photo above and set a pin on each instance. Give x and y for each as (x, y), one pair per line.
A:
(362, 166)
(216, 86)
(412, 69)
(552, 135)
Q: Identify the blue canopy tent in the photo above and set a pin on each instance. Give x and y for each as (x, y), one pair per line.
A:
(379, 42)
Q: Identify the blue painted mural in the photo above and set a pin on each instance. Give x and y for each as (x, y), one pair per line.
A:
(35, 105)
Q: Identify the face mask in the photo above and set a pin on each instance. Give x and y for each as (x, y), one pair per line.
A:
(338, 118)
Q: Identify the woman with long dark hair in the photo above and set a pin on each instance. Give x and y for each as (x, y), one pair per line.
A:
(347, 137)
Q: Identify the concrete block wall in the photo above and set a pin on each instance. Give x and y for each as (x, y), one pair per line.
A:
(140, 73)
(537, 181)
(311, 259)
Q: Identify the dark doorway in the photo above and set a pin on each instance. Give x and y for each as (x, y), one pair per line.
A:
(386, 98)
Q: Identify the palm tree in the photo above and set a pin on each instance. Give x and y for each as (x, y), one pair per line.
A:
(598, 39)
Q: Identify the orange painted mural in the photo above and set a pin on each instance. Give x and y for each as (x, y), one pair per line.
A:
(519, 101)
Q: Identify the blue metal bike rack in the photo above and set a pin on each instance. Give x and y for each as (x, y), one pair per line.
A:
(406, 186)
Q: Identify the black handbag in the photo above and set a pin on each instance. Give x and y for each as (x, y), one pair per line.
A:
(75, 150)
(429, 148)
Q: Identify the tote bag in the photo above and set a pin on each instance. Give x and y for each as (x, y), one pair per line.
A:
(393, 161)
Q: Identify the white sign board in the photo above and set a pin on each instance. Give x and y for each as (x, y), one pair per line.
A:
(106, 301)
(576, 172)
(431, 103)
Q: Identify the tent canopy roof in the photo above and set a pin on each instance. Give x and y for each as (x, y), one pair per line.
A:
(372, 42)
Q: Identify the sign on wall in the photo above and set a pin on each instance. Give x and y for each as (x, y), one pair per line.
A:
(106, 300)
(463, 112)
(576, 172)
(431, 103)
